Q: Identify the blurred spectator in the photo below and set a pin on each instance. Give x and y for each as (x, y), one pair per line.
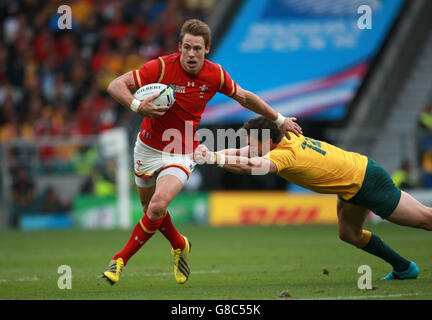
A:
(51, 203)
(199, 9)
(425, 119)
(427, 168)
(425, 145)
(402, 178)
(22, 193)
(85, 161)
(18, 157)
(100, 184)
(103, 186)
(87, 187)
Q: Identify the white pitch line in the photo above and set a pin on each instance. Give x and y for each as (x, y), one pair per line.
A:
(34, 278)
(369, 297)
(170, 273)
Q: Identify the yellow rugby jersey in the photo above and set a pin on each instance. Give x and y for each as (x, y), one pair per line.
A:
(319, 166)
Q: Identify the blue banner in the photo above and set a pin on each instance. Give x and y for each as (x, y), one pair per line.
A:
(306, 58)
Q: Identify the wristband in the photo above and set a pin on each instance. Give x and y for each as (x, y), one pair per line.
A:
(134, 105)
(212, 158)
(280, 120)
(221, 160)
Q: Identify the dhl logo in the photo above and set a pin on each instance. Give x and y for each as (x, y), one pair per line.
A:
(263, 215)
(270, 208)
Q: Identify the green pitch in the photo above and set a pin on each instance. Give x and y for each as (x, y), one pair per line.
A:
(296, 262)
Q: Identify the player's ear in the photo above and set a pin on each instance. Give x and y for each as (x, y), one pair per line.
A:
(179, 46)
(207, 49)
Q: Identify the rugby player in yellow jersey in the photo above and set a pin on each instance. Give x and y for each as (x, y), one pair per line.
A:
(360, 183)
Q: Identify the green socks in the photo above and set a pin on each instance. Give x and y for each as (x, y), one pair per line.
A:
(380, 249)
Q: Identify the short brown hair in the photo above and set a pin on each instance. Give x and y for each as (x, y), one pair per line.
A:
(196, 27)
(260, 124)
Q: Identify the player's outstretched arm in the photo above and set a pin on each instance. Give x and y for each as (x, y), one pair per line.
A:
(120, 89)
(234, 163)
(236, 152)
(251, 101)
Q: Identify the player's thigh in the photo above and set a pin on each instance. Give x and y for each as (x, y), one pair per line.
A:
(410, 212)
(351, 220)
(167, 188)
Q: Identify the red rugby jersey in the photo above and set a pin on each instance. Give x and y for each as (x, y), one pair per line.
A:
(192, 91)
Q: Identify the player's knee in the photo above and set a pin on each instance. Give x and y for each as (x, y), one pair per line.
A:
(157, 206)
(426, 222)
(350, 237)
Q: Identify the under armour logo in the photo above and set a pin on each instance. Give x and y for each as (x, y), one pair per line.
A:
(191, 84)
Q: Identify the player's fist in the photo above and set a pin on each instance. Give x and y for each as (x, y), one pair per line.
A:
(149, 110)
(202, 154)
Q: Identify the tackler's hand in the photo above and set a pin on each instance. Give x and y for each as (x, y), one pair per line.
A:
(289, 125)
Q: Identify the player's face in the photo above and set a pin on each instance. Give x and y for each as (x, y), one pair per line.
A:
(193, 51)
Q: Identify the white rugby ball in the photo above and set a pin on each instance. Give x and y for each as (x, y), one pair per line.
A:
(166, 94)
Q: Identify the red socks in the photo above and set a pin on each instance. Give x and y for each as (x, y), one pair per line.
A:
(170, 232)
(144, 230)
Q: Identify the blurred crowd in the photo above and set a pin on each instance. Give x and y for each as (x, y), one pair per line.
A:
(404, 177)
(53, 82)
(425, 146)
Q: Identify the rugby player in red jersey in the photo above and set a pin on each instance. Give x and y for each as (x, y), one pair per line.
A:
(171, 130)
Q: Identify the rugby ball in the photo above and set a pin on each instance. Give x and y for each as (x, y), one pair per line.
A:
(166, 94)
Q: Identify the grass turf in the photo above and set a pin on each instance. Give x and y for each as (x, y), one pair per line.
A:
(308, 262)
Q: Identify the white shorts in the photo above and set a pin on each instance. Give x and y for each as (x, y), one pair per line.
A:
(151, 164)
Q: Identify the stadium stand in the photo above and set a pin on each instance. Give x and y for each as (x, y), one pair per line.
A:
(396, 92)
